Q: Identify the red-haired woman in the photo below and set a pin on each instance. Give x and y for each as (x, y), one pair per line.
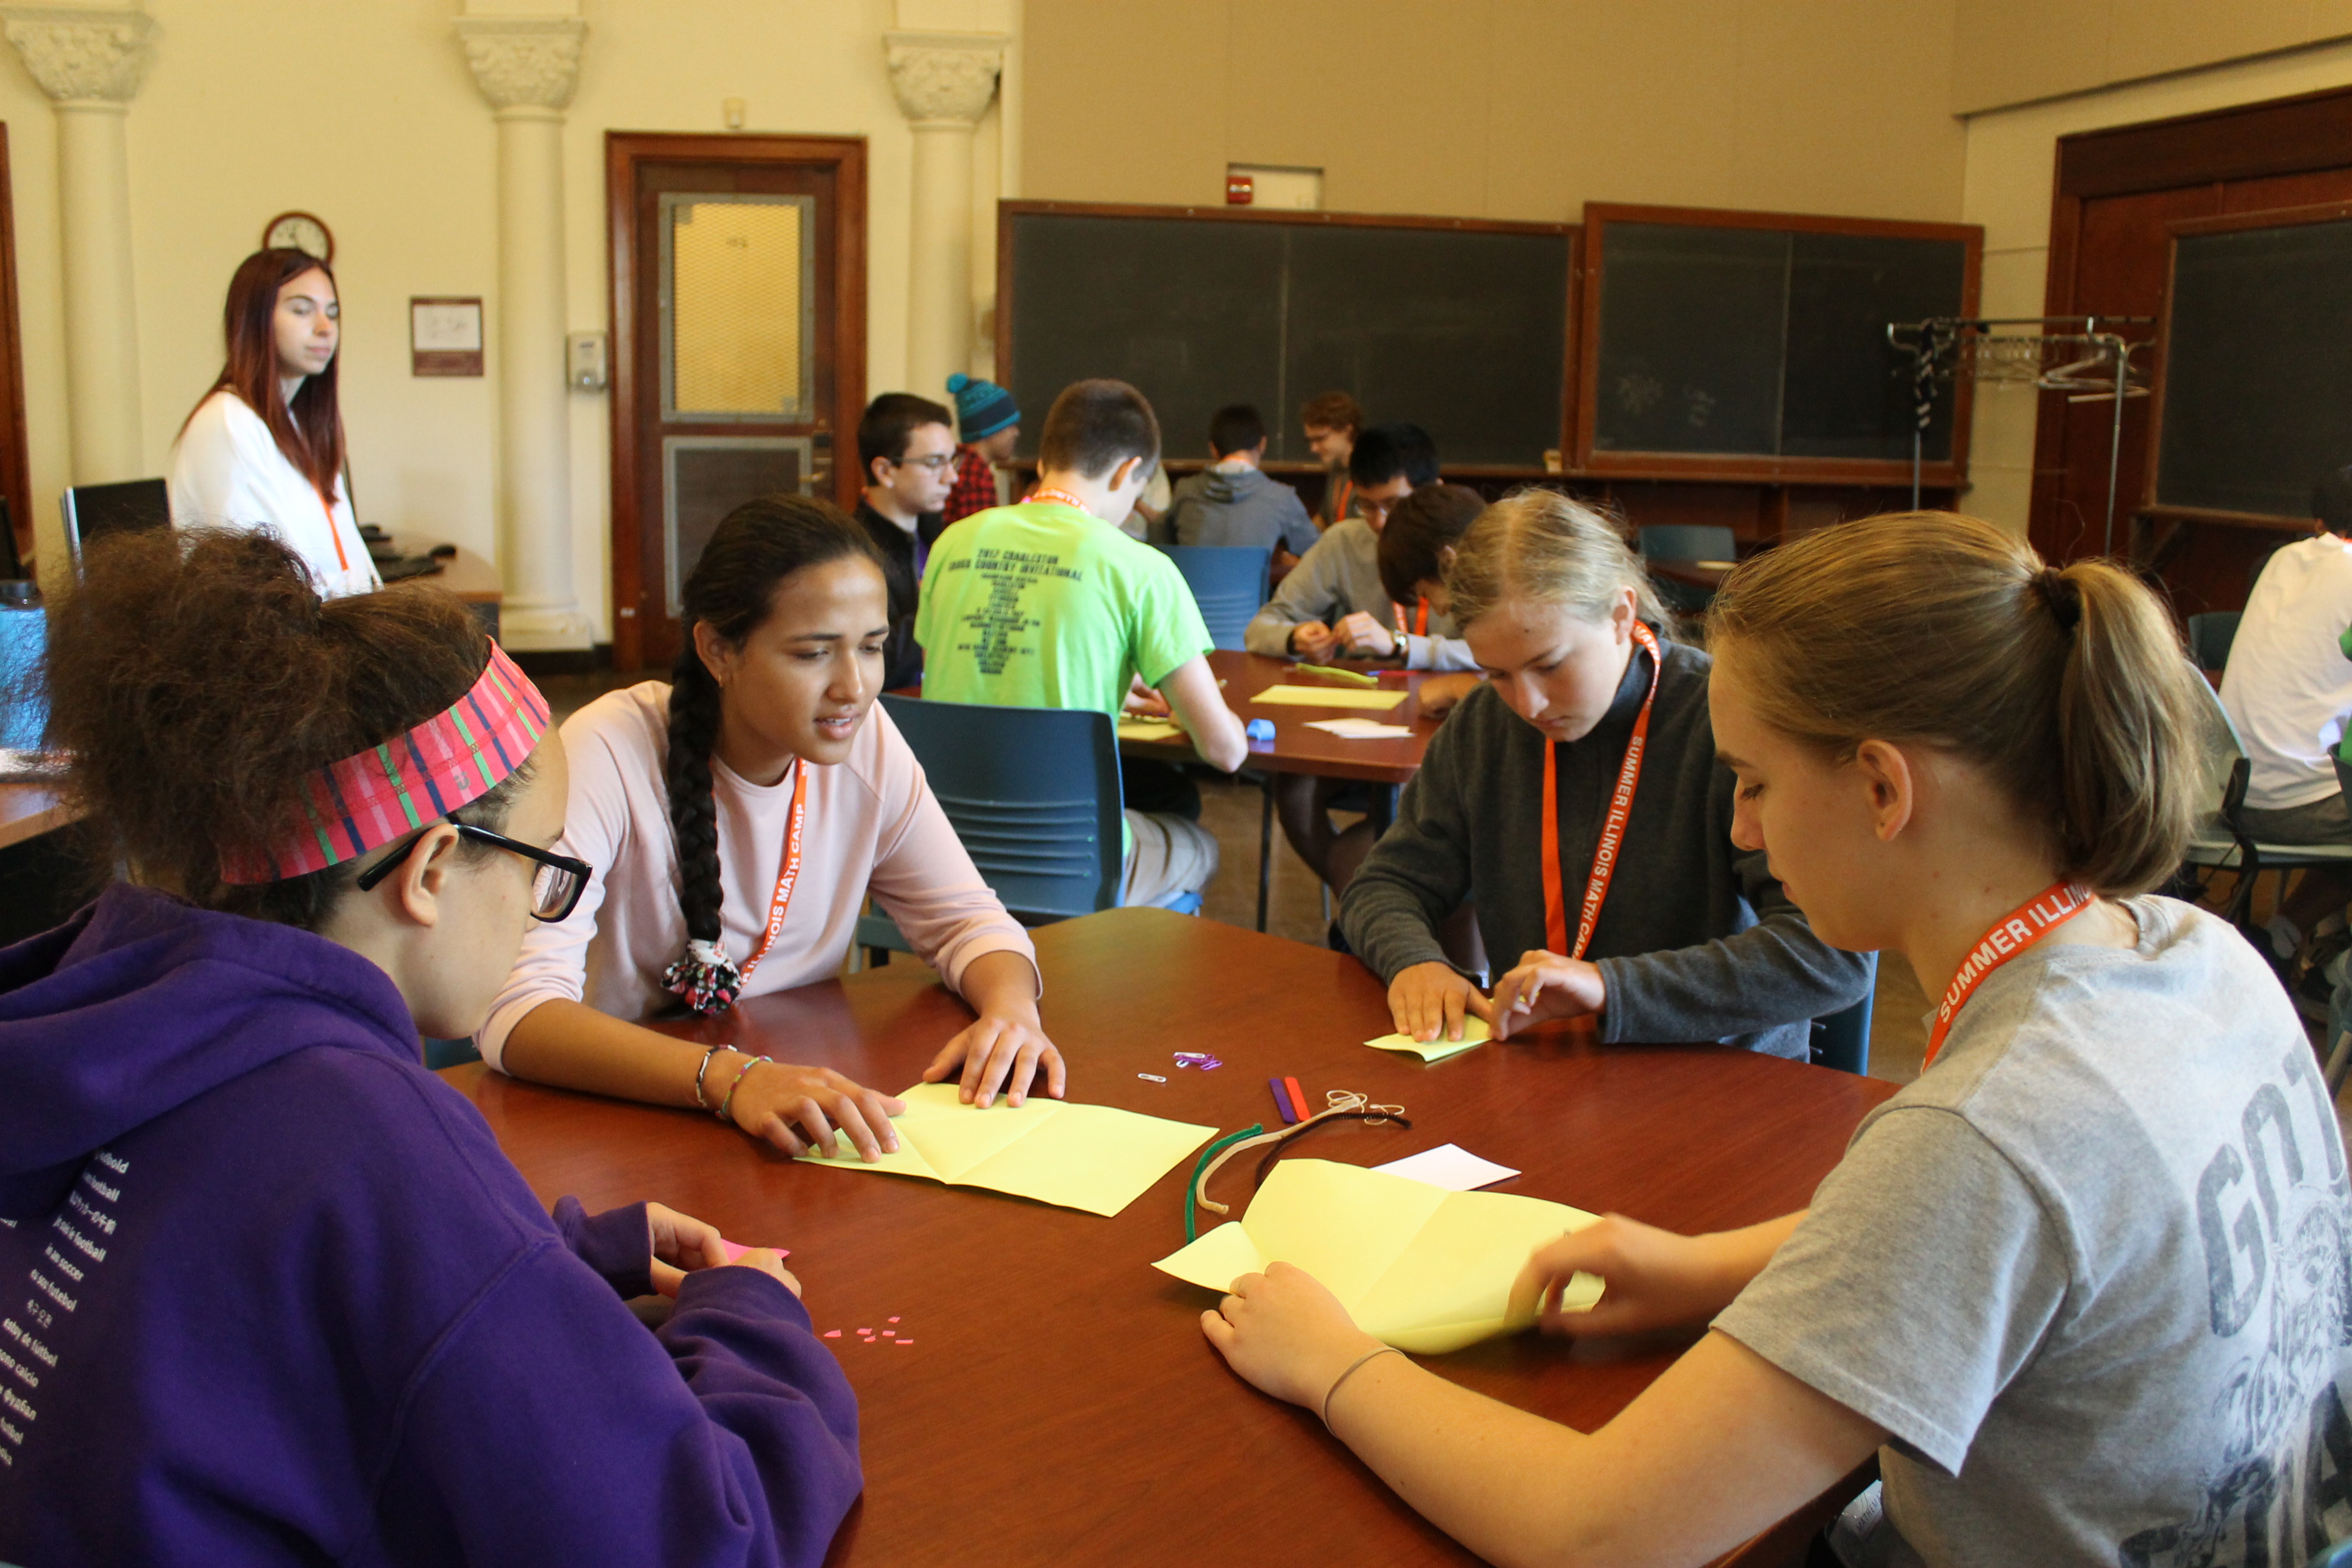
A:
(265, 447)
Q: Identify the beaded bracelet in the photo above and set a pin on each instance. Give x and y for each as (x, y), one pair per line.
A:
(700, 1103)
(740, 1075)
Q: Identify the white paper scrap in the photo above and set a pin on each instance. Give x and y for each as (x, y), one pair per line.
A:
(1361, 728)
(1449, 1165)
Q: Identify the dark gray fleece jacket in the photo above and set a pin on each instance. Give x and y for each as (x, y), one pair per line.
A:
(1696, 940)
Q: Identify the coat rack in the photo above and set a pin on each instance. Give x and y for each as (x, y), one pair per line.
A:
(2082, 356)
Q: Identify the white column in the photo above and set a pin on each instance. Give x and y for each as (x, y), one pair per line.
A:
(527, 67)
(90, 62)
(944, 82)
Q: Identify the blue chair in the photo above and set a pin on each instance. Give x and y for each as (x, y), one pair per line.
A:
(1034, 795)
(439, 1054)
(24, 639)
(2337, 1557)
(2221, 840)
(1842, 1041)
(1228, 581)
(2209, 636)
(1686, 541)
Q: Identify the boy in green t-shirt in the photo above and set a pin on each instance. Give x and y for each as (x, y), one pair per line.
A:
(1047, 604)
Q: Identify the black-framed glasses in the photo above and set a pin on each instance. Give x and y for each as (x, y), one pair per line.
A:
(555, 887)
(936, 462)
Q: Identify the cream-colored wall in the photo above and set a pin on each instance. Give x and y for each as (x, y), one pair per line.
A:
(2011, 155)
(367, 115)
(1507, 109)
(2012, 52)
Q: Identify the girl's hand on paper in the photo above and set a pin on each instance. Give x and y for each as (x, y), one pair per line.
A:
(1286, 1334)
(1656, 1280)
(999, 1052)
(683, 1244)
(794, 1106)
(1440, 694)
(1546, 986)
(1142, 701)
(1427, 999)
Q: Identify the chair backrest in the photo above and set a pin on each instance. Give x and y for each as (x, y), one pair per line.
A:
(2221, 756)
(1842, 1041)
(1033, 793)
(1228, 581)
(2209, 636)
(23, 702)
(1687, 542)
(93, 512)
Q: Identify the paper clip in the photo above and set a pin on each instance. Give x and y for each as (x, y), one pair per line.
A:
(1201, 1060)
(1150, 1078)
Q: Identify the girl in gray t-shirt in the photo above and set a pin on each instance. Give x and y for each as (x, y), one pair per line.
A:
(2085, 1286)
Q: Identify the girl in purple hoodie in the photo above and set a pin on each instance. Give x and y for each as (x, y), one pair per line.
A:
(268, 1290)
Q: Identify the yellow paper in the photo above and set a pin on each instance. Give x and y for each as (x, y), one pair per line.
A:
(1417, 1266)
(1473, 1033)
(1329, 697)
(1148, 729)
(1090, 1157)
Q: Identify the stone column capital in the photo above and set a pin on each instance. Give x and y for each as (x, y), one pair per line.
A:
(524, 62)
(944, 78)
(83, 53)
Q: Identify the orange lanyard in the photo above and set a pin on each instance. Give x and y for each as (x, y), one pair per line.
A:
(1419, 618)
(790, 873)
(2011, 935)
(1612, 830)
(334, 534)
(1346, 498)
(1049, 492)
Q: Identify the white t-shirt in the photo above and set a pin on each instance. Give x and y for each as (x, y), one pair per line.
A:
(2289, 686)
(2090, 1271)
(227, 472)
(870, 825)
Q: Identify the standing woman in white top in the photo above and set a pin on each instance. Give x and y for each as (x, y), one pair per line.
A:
(264, 450)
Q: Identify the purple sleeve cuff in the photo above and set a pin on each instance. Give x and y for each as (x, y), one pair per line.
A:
(617, 1244)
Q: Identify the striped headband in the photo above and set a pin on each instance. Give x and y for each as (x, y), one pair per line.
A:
(365, 802)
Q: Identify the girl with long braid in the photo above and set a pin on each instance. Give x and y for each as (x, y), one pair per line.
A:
(737, 816)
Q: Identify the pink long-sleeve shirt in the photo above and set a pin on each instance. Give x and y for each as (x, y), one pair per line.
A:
(872, 825)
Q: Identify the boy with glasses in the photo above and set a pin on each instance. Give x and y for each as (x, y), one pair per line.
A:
(907, 452)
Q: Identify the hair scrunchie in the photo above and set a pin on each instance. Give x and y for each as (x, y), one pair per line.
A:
(2062, 595)
(706, 979)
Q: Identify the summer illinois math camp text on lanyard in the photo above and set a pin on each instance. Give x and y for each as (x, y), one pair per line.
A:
(789, 873)
(1612, 830)
(2011, 934)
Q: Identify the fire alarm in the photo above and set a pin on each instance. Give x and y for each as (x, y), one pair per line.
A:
(1240, 189)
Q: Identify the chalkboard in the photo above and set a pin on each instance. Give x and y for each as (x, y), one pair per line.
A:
(1462, 331)
(2257, 368)
(1739, 338)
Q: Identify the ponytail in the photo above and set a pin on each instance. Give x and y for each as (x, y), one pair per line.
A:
(731, 589)
(2067, 686)
(1543, 546)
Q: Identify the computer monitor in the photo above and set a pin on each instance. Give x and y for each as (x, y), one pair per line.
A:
(93, 512)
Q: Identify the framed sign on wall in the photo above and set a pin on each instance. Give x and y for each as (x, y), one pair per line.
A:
(444, 336)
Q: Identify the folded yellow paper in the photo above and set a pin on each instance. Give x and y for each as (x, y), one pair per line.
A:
(1473, 1033)
(1417, 1266)
(1148, 729)
(1090, 1157)
(1329, 697)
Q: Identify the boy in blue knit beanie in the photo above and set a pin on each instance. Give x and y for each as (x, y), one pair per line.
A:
(990, 423)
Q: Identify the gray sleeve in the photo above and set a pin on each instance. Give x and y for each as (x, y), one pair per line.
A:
(1306, 595)
(1298, 534)
(1775, 973)
(1924, 1278)
(1417, 875)
(1447, 654)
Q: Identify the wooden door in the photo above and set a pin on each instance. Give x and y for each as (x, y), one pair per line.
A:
(2116, 192)
(16, 478)
(738, 348)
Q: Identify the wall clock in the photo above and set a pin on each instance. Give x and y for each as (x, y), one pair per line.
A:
(300, 231)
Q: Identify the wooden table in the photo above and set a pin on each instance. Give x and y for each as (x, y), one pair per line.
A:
(1061, 1404)
(1297, 749)
(28, 810)
(467, 575)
